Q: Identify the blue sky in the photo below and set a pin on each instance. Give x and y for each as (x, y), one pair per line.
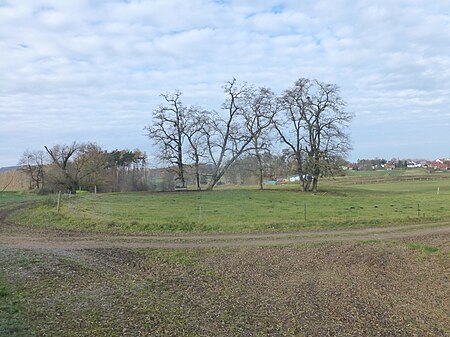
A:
(93, 70)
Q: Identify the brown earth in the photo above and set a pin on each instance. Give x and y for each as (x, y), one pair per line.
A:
(358, 282)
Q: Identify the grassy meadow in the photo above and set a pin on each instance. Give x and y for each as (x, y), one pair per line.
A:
(352, 201)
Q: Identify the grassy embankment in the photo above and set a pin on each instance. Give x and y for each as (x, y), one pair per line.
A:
(358, 200)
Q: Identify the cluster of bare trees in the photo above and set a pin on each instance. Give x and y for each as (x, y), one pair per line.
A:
(306, 124)
(309, 120)
(69, 167)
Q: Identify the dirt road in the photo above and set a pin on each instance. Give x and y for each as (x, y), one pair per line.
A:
(13, 236)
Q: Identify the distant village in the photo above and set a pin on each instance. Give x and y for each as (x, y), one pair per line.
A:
(441, 164)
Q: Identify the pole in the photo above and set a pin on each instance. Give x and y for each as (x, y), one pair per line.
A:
(58, 202)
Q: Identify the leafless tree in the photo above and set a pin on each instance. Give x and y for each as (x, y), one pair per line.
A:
(313, 123)
(309, 119)
(325, 121)
(226, 137)
(197, 121)
(32, 163)
(168, 132)
(61, 155)
(290, 125)
(259, 111)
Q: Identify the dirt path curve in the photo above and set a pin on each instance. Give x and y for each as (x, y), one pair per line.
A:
(13, 236)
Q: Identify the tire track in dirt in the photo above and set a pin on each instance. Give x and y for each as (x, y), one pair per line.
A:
(95, 241)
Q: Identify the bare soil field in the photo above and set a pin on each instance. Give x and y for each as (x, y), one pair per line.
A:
(389, 281)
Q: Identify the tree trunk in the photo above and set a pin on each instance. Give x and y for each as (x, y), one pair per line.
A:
(212, 182)
(298, 160)
(316, 171)
(261, 170)
(261, 181)
(217, 175)
(306, 185)
(197, 176)
(314, 187)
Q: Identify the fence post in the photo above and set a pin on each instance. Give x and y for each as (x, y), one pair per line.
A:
(58, 202)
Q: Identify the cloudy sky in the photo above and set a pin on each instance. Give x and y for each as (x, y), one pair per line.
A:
(93, 70)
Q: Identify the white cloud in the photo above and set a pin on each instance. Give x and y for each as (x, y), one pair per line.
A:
(95, 69)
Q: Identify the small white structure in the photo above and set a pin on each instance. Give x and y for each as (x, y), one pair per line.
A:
(413, 164)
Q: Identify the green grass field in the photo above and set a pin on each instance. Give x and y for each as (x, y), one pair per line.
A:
(341, 203)
(9, 198)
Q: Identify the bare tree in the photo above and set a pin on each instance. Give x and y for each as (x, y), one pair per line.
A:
(168, 131)
(61, 155)
(309, 119)
(196, 124)
(259, 110)
(289, 122)
(32, 163)
(313, 123)
(325, 121)
(226, 137)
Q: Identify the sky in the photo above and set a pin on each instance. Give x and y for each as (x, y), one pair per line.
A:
(94, 70)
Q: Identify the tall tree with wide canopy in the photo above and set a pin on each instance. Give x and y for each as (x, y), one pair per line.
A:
(197, 123)
(312, 122)
(259, 110)
(289, 123)
(227, 138)
(168, 132)
(325, 121)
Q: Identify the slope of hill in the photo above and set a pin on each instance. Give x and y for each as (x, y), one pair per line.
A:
(8, 168)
